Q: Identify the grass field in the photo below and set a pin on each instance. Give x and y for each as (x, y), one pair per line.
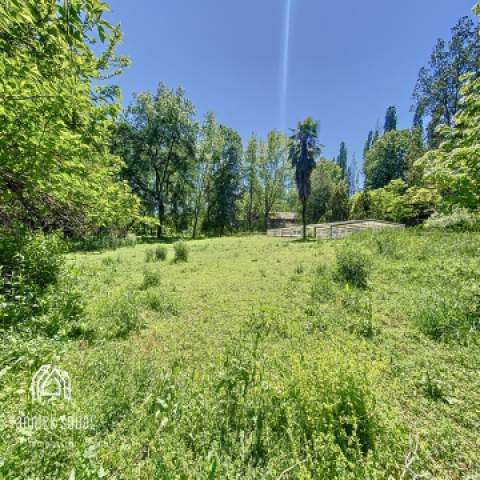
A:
(260, 358)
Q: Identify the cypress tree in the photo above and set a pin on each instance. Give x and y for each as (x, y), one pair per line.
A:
(390, 119)
(342, 158)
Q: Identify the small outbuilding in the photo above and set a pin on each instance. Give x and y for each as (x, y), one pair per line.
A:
(282, 219)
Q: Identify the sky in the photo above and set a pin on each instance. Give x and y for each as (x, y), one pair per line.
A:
(347, 60)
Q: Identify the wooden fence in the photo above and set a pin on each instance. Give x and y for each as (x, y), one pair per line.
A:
(334, 230)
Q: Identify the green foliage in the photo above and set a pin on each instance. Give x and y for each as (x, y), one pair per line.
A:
(149, 255)
(432, 388)
(225, 190)
(353, 267)
(121, 316)
(208, 146)
(106, 241)
(56, 170)
(450, 316)
(460, 220)
(390, 119)
(181, 251)
(209, 394)
(156, 254)
(342, 158)
(156, 138)
(453, 168)
(328, 200)
(438, 90)
(323, 289)
(272, 171)
(303, 150)
(161, 253)
(397, 202)
(387, 243)
(151, 278)
(392, 157)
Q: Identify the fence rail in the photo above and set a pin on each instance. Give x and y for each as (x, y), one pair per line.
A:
(334, 230)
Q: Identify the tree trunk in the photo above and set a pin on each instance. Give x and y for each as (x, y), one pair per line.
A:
(161, 215)
(195, 223)
(304, 222)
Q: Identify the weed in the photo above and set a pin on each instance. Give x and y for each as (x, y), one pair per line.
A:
(181, 251)
(161, 253)
(149, 255)
(352, 267)
(151, 278)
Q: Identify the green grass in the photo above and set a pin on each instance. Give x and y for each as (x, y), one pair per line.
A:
(252, 359)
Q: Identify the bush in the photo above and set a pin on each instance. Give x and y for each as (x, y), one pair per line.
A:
(352, 267)
(151, 278)
(30, 270)
(161, 253)
(181, 251)
(460, 220)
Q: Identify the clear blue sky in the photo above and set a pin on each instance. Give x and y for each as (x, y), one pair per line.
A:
(348, 59)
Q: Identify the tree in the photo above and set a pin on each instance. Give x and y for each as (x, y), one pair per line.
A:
(437, 91)
(339, 206)
(360, 205)
(324, 180)
(208, 147)
(251, 178)
(272, 171)
(390, 119)
(397, 202)
(353, 174)
(226, 184)
(303, 150)
(368, 143)
(342, 158)
(392, 157)
(453, 169)
(157, 139)
(56, 171)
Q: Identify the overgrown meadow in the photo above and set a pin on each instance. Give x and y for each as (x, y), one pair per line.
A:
(256, 357)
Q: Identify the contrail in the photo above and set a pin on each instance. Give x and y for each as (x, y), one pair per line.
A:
(286, 51)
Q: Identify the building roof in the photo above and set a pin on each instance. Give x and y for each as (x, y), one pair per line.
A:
(283, 216)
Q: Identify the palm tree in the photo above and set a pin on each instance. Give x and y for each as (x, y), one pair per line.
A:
(303, 149)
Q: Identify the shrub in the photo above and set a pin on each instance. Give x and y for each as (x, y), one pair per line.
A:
(352, 267)
(461, 220)
(32, 297)
(151, 278)
(161, 253)
(181, 251)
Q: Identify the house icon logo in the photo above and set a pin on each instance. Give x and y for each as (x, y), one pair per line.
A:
(51, 382)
